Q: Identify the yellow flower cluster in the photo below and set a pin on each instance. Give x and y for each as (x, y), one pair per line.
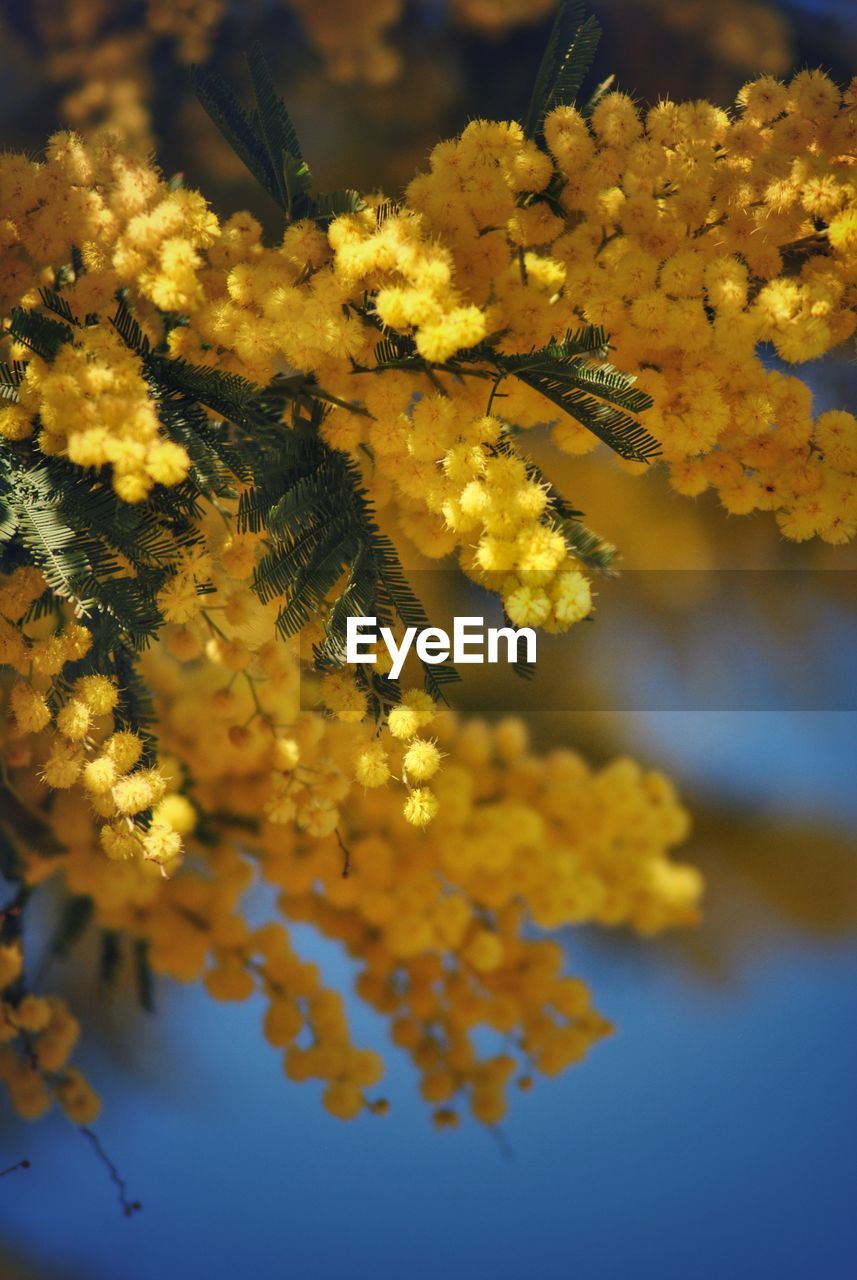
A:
(403, 750)
(435, 447)
(91, 403)
(64, 734)
(42, 658)
(94, 408)
(692, 236)
(696, 237)
(441, 917)
(37, 1037)
(260, 743)
(438, 921)
(255, 787)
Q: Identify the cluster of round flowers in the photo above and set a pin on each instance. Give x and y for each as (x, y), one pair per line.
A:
(695, 237)
(253, 786)
(37, 1037)
(692, 235)
(255, 722)
(93, 406)
(435, 447)
(439, 919)
(64, 735)
(415, 756)
(97, 220)
(101, 201)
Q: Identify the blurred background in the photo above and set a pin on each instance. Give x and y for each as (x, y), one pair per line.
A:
(715, 1134)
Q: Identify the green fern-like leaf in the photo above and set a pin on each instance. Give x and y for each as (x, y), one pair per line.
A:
(59, 305)
(600, 397)
(273, 123)
(8, 521)
(11, 377)
(321, 526)
(237, 127)
(358, 599)
(567, 58)
(42, 334)
(274, 120)
(53, 545)
(129, 330)
(330, 204)
(621, 432)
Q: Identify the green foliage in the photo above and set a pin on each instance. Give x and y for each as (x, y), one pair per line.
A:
(572, 373)
(236, 125)
(599, 396)
(10, 379)
(42, 334)
(265, 140)
(567, 58)
(321, 527)
(72, 526)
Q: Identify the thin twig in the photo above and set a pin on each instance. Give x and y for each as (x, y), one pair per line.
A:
(13, 1168)
(500, 376)
(346, 855)
(129, 1207)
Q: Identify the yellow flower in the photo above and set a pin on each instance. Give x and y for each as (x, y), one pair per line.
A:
(422, 760)
(420, 807)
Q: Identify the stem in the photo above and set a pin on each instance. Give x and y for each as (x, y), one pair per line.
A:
(129, 1207)
(500, 376)
(346, 855)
